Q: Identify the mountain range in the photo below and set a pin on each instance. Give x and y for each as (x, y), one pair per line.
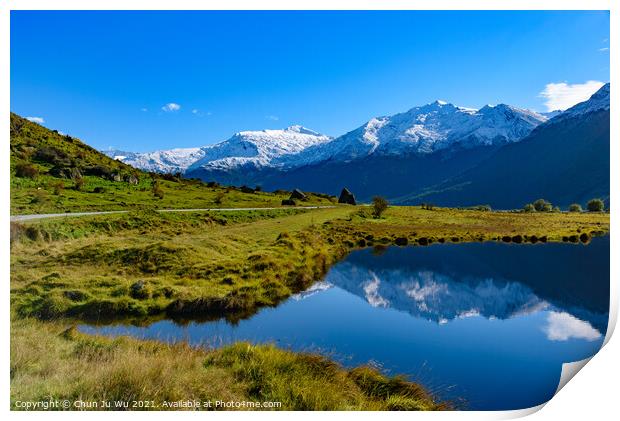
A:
(439, 152)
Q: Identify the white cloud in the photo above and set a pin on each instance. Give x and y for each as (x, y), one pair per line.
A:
(199, 113)
(144, 110)
(272, 117)
(562, 327)
(170, 107)
(39, 120)
(561, 96)
(604, 49)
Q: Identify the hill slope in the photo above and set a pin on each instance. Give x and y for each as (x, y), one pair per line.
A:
(52, 173)
(565, 160)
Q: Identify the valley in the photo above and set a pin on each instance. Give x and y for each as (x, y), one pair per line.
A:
(438, 153)
(186, 251)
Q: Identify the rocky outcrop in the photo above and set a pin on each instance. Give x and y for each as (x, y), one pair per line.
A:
(298, 195)
(347, 197)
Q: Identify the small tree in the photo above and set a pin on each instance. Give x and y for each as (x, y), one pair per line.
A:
(529, 208)
(596, 205)
(379, 205)
(575, 207)
(541, 205)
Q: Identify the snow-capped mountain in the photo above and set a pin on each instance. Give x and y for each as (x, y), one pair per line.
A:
(421, 130)
(599, 101)
(167, 161)
(265, 148)
(565, 160)
(428, 129)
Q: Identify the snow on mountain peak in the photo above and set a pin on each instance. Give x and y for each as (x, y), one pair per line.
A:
(426, 129)
(600, 100)
(301, 129)
(166, 161)
(430, 128)
(259, 148)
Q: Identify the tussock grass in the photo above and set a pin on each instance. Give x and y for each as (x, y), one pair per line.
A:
(209, 266)
(52, 360)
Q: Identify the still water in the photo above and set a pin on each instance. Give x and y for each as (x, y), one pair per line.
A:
(487, 325)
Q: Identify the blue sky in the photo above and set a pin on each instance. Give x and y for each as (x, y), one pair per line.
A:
(106, 77)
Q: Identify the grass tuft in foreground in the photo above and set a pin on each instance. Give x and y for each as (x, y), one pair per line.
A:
(52, 360)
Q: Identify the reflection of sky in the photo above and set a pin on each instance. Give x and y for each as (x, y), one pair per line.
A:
(494, 342)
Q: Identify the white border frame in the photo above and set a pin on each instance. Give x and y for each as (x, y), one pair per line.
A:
(592, 395)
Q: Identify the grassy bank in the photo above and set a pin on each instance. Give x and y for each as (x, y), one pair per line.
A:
(50, 361)
(202, 265)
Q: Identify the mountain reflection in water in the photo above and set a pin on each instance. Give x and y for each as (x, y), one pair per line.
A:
(490, 323)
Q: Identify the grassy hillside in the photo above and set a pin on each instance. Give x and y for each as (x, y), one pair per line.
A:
(52, 173)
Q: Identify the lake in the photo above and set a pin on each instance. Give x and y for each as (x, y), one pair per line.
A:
(487, 325)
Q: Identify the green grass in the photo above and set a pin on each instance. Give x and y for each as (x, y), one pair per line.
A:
(38, 196)
(231, 264)
(53, 189)
(53, 361)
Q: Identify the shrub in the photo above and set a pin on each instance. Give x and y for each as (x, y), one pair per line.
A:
(541, 205)
(99, 171)
(26, 171)
(556, 209)
(40, 196)
(529, 208)
(379, 205)
(219, 197)
(58, 187)
(157, 190)
(51, 155)
(596, 205)
(575, 207)
(78, 183)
